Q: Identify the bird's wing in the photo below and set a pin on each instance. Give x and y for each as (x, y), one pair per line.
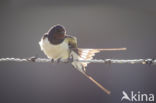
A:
(78, 53)
(72, 41)
(86, 53)
(89, 53)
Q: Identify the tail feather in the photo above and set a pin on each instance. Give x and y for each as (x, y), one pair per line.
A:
(88, 54)
(96, 83)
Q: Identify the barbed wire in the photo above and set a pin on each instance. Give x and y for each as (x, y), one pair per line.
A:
(105, 61)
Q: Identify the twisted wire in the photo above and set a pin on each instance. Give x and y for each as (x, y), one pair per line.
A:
(105, 61)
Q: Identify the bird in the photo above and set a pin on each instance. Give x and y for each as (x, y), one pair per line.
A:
(57, 46)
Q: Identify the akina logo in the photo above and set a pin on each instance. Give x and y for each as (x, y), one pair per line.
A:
(137, 96)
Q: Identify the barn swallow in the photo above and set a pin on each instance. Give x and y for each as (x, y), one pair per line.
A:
(57, 45)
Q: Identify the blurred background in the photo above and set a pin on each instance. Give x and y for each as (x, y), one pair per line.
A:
(96, 24)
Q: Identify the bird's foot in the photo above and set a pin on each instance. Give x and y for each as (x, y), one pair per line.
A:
(69, 60)
(58, 60)
(52, 60)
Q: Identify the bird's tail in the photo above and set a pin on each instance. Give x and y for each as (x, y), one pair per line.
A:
(88, 54)
(96, 83)
(79, 66)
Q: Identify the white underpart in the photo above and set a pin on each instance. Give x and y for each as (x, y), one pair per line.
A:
(54, 51)
(61, 51)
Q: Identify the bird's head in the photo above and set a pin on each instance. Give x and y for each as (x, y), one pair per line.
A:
(56, 32)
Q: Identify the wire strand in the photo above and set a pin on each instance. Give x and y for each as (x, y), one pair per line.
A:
(105, 61)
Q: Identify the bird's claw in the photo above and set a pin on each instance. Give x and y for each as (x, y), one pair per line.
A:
(69, 60)
(56, 61)
(52, 60)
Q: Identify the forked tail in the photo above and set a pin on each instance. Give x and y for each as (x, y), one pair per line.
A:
(88, 54)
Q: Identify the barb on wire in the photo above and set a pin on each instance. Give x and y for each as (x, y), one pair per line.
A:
(105, 61)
